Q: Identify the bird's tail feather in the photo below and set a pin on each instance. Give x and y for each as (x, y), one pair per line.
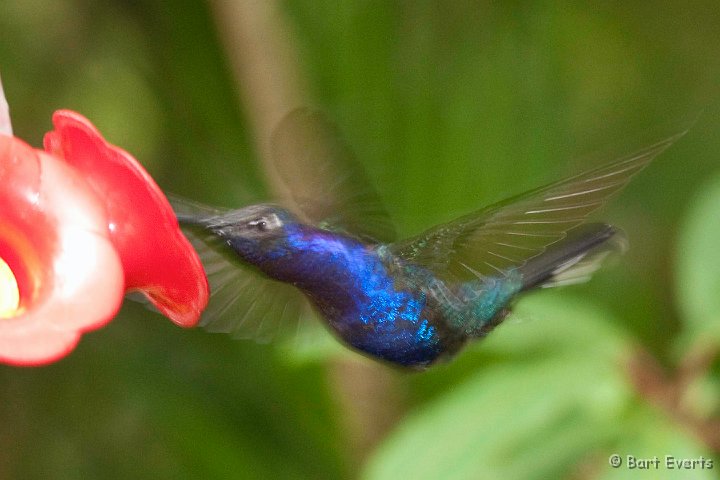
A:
(574, 259)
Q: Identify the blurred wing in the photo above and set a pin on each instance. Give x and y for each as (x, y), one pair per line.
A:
(189, 212)
(509, 233)
(325, 183)
(243, 302)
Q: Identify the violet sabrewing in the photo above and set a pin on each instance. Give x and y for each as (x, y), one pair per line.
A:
(410, 302)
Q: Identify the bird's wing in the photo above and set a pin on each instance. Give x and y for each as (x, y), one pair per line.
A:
(325, 183)
(189, 212)
(243, 302)
(507, 234)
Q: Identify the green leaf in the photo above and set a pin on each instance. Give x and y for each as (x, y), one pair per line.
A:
(698, 265)
(511, 421)
(649, 434)
(550, 320)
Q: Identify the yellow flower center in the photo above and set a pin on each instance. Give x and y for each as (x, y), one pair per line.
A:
(9, 291)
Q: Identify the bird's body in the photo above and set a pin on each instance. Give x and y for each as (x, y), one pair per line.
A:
(380, 304)
(373, 303)
(415, 301)
(372, 299)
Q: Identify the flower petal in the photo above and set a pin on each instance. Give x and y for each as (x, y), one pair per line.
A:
(88, 270)
(36, 346)
(53, 236)
(158, 260)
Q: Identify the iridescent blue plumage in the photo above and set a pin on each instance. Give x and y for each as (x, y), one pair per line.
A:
(410, 302)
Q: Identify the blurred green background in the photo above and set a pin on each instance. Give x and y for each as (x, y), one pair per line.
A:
(450, 106)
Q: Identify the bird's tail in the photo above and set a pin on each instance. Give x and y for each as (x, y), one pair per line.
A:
(573, 259)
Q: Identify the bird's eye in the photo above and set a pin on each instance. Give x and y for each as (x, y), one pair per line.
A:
(259, 225)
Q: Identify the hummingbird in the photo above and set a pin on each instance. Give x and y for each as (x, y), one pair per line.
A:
(411, 302)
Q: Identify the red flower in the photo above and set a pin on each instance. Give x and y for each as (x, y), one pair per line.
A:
(158, 260)
(53, 237)
(79, 225)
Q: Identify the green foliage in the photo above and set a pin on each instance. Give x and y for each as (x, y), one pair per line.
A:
(698, 266)
(450, 106)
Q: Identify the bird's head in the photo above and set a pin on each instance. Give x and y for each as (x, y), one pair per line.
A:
(254, 232)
